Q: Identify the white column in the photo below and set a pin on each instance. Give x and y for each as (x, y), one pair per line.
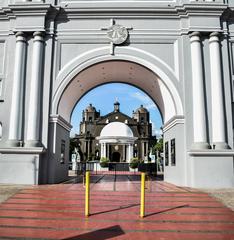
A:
(33, 127)
(107, 151)
(104, 149)
(127, 153)
(16, 111)
(130, 152)
(217, 97)
(199, 110)
(124, 157)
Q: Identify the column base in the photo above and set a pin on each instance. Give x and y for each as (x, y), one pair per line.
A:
(220, 145)
(200, 145)
(32, 143)
(210, 170)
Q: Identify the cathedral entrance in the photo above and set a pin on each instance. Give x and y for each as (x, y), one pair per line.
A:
(115, 157)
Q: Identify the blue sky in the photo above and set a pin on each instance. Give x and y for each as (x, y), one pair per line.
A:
(103, 98)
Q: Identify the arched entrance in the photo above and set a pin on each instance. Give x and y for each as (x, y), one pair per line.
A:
(115, 157)
(78, 77)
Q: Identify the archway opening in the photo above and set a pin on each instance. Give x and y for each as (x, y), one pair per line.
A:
(122, 117)
(76, 84)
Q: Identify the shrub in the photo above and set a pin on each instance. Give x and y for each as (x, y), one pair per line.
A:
(134, 163)
(104, 162)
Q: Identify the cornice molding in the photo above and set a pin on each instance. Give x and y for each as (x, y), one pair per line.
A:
(211, 152)
(60, 121)
(172, 122)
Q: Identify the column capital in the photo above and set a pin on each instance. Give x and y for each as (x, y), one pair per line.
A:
(38, 36)
(195, 37)
(196, 33)
(20, 37)
(214, 37)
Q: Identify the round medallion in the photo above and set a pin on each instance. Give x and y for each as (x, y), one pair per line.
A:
(117, 34)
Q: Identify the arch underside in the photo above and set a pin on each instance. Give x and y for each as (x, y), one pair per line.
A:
(123, 72)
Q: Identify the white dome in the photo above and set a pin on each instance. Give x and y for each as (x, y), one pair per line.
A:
(116, 129)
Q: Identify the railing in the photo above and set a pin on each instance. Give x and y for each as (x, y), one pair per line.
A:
(115, 167)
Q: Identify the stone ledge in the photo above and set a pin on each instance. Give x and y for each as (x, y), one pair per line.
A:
(211, 152)
(12, 150)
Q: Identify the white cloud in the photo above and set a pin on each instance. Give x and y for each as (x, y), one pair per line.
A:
(146, 101)
(155, 131)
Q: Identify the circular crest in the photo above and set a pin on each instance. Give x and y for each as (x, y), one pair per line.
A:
(117, 34)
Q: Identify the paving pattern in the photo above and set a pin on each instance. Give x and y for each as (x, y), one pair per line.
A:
(57, 212)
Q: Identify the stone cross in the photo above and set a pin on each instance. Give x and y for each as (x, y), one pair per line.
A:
(117, 34)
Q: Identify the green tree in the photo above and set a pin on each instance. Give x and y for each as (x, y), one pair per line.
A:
(73, 144)
(158, 147)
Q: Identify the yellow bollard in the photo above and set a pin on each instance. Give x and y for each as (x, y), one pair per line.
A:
(87, 193)
(142, 210)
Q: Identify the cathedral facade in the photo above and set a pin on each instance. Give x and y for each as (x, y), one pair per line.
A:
(115, 136)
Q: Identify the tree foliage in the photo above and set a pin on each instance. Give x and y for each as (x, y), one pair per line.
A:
(158, 147)
(73, 144)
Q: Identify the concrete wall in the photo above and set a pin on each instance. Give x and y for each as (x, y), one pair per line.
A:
(75, 39)
(19, 168)
(209, 170)
(57, 168)
(175, 173)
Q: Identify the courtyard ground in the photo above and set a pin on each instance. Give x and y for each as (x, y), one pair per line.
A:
(57, 211)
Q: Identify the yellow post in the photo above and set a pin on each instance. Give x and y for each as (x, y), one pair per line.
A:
(142, 210)
(87, 193)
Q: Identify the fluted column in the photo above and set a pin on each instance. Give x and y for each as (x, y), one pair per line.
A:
(217, 97)
(34, 110)
(199, 110)
(15, 127)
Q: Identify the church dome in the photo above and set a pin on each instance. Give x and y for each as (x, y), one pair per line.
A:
(90, 108)
(116, 129)
(141, 109)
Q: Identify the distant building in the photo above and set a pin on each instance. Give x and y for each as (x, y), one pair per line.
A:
(115, 135)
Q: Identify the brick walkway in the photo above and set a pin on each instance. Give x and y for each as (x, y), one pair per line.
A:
(57, 212)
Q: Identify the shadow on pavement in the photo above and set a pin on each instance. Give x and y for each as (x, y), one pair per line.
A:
(167, 210)
(101, 234)
(116, 209)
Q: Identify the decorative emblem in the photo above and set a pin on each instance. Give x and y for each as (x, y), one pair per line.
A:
(117, 34)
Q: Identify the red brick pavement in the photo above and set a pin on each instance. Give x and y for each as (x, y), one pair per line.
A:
(57, 212)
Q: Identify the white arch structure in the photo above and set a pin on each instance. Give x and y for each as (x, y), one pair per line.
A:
(131, 66)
